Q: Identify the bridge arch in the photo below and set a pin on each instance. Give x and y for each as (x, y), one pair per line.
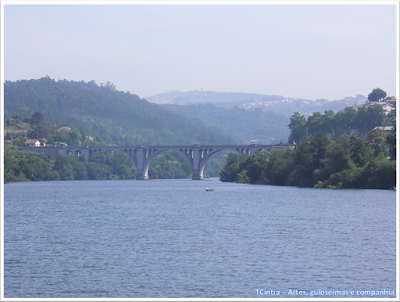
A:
(142, 166)
(197, 155)
(199, 164)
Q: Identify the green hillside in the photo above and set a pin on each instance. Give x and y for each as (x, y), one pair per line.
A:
(108, 115)
(266, 127)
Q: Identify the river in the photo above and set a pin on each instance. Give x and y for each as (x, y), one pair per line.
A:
(172, 239)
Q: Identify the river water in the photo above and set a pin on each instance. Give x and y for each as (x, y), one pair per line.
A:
(172, 239)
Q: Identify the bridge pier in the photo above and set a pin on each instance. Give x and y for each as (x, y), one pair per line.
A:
(143, 159)
(141, 176)
(196, 168)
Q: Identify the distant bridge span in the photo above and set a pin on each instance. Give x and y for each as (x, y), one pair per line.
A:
(142, 156)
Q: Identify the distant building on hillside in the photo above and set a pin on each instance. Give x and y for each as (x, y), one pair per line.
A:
(64, 128)
(89, 137)
(32, 143)
(253, 141)
(388, 105)
(57, 144)
(392, 101)
(385, 129)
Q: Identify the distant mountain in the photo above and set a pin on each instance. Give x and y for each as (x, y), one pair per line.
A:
(111, 116)
(275, 103)
(221, 99)
(305, 107)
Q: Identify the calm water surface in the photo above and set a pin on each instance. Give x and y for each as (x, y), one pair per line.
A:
(171, 238)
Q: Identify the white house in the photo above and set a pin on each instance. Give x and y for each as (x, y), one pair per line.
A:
(386, 106)
(32, 143)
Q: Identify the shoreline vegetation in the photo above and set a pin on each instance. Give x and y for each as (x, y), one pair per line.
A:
(348, 149)
(346, 162)
(343, 150)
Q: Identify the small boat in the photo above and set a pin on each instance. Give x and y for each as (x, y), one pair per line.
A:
(210, 189)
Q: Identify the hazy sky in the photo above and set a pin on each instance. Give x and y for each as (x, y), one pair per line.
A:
(305, 51)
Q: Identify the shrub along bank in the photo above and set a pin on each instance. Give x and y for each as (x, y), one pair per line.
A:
(25, 166)
(348, 162)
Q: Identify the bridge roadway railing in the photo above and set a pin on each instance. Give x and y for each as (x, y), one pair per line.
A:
(142, 156)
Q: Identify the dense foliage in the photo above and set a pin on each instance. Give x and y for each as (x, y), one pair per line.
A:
(169, 164)
(343, 122)
(329, 152)
(347, 161)
(376, 95)
(108, 115)
(22, 166)
(38, 108)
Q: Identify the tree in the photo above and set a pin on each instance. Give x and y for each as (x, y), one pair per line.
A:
(376, 95)
(64, 168)
(37, 119)
(110, 86)
(277, 169)
(254, 166)
(297, 127)
(344, 121)
(74, 137)
(328, 120)
(123, 166)
(381, 173)
(61, 136)
(337, 155)
(98, 171)
(243, 178)
(377, 141)
(39, 128)
(13, 164)
(37, 167)
(307, 159)
(20, 141)
(315, 123)
(361, 152)
(234, 165)
(391, 142)
(369, 118)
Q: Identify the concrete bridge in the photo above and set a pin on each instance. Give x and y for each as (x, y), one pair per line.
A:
(142, 156)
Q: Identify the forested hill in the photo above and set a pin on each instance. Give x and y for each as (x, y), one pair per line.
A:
(266, 127)
(111, 116)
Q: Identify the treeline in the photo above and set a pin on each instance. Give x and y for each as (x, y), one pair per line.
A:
(25, 166)
(21, 166)
(32, 166)
(169, 165)
(343, 122)
(349, 161)
(103, 112)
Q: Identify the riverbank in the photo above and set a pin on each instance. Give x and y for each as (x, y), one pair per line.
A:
(346, 162)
